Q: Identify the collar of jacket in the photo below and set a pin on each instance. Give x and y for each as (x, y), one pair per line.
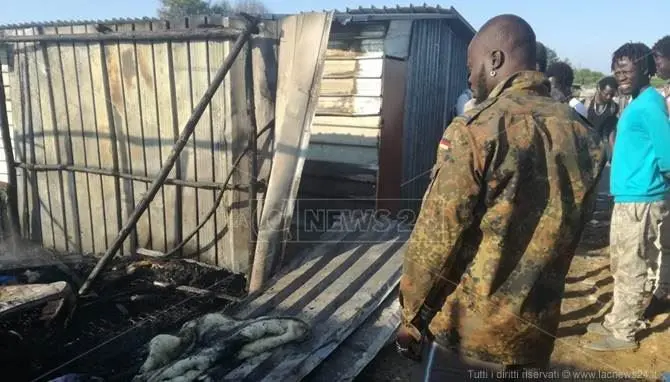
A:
(529, 82)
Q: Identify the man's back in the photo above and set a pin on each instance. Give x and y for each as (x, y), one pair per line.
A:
(535, 164)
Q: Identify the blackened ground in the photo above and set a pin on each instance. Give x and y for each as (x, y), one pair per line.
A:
(106, 335)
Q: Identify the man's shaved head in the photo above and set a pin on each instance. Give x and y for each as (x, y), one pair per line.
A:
(503, 46)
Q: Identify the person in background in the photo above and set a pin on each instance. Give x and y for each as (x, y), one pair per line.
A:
(540, 58)
(602, 111)
(660, 303)
(640, 227)
(484, 272)
(464, 102)
(662, 60)
(561, 77)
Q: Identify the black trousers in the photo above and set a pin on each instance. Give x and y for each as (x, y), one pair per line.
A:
(441, 364)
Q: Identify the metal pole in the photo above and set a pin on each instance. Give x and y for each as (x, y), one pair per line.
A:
(252, 27)
(172, 35)
(12, 187)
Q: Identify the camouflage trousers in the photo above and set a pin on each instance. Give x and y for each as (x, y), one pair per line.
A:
(639, 258)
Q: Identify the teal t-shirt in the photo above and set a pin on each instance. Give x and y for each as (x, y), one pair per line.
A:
(642, 150)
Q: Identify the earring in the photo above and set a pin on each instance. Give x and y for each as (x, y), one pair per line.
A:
(492, 73)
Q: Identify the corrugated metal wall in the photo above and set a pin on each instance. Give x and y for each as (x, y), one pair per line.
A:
(343, 154)
(119, 106)
(437, 74)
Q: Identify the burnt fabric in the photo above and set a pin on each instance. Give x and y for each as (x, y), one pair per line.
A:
(512, 187)
(215, 341)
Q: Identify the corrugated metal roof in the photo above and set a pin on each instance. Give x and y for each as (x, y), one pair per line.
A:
(410, 11)
(57, 23)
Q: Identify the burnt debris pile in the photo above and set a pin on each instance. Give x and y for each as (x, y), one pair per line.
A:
(46, 331)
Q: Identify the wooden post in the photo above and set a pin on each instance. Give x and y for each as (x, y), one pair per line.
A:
(12, 187)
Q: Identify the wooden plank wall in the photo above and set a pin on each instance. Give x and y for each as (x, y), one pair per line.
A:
(346, 127)
(343, 159)
(120, 106)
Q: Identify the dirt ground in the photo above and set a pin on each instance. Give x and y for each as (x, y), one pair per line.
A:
(587, 298)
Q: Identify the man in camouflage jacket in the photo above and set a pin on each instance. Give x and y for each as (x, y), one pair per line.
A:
(512, 187)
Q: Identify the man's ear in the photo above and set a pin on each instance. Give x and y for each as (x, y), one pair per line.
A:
(497, 59)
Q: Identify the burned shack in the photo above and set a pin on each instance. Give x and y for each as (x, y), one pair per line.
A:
(390, 81)
(196, 154)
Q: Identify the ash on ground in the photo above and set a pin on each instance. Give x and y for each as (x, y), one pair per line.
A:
(105, 335)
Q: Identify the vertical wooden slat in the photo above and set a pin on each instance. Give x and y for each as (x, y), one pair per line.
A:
(49, 188)
(164, 109)
(15, 63)
(104, 142)
(265, 88)
(184, 103)
(32, 117)
(118, 102)
(152, 159)
(239, 254)
(73, 111)
(177, 234)
(9, 153)
(134, 136)
(92, 212)
(221, 136)
(62, 148)
(202, 153)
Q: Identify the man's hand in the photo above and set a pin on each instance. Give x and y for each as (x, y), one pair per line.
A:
(407, 345)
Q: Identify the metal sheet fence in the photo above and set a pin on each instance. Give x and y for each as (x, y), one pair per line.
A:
(437, 75)
(93, 122)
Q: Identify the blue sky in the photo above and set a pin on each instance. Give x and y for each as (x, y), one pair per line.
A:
(586, 31)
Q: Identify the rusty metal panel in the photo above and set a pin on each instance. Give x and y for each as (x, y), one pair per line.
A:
(117, 107)
(391, 145)
(436, 75)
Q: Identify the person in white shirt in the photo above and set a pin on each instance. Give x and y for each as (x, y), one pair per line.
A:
(464, 102)
(561, 77)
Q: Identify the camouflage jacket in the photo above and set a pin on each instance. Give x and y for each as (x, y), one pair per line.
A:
(513, 185)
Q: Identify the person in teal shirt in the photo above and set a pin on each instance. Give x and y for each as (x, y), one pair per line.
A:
(640, 226)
